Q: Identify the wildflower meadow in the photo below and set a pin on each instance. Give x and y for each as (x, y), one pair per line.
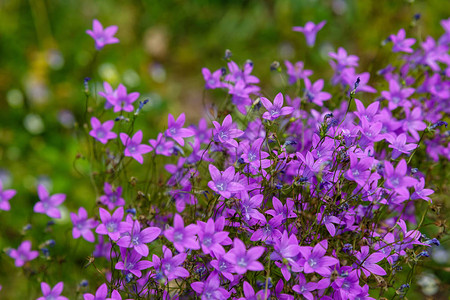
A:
(323, 174)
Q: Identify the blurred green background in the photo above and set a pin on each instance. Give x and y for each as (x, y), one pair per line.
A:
(45, 54)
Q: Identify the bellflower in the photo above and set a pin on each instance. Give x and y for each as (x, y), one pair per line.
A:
(138, 239)
(286, 249)
(100, 294)
(212, 81)
(52, 294)
(397, 96)
(304, 288)
(401, 44)
(225, 133)
(243, 259)
(169, 266)
(23, 254)
(112, 225)
(420, 192)
(221, 265)
(82, 225)
(133, 146)
(399, 146)
(48, 204)
(176, 131)
(296, 72)
(131, 262)
(343, 60)
(368, 262)
(5, 196)
(210, 239)
(414, 122)
(368, 113)
(397, 179)
(286, 211)
(102, 132)
(112, 197)
(119, 98)
(314, 92)
(250, 294)
(315, 259)
(210, 289)
(223, 182)
(236, 74)
(162, 146)
(102, 36)
(182, 237)
(310, 31)
(275, 110)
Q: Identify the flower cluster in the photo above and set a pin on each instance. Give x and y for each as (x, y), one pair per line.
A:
(277, 189)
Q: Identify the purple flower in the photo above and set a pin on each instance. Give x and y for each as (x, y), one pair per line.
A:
(359, 171)
(131, 262)
(100, 294)
(48, 204)
(23, 253)
(170, 266)
(236, 74)
(397, 179)
(343, 60)
(244, 260)
(314, 92)
(304, 288)
(368, 113)
(52, 294)
(162, 146)
(253, 154)
(112, 197)
(275, 110)
(223, 182)
(268, 231)
(210, 289)
(176, 131)
(328, 222)
(225, 133)
(286, 211)
(133, 146)
(221, 265)
(82, 225)
(315, 259)
(250, 206)
(119, 99)
(368, 262)
(5, 196)
(310, 31)
(102, 132)
(420, 192)
(296, 72)
(279, 288)
(397, 96)
(212, 81)
(286, 249)
(210, 239)
(241, 95)
(138, 239)
(250, 294)
(413, 122)
(399, 146)
(182, 237)
(400, 43)
(102, 36)
(112, 225)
